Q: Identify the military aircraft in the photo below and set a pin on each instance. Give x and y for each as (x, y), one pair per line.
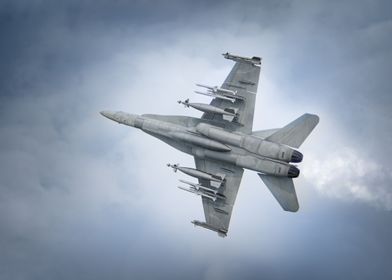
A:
(223, 144)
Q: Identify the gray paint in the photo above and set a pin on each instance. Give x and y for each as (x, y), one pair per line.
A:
(69, 209)
(223, 148)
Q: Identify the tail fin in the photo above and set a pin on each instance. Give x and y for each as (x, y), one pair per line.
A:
(283, 190)
(295, 133)
(264, 133)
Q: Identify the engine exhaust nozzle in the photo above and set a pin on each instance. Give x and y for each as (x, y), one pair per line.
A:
(296, 156)
(293, 172)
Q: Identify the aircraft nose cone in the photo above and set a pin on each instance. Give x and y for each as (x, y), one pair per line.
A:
(107, 114)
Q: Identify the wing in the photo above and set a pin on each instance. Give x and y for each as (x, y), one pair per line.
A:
(243, 79)
(218, 213)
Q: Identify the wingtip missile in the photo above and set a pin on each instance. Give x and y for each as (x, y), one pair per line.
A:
(255, 60)
(222, 232)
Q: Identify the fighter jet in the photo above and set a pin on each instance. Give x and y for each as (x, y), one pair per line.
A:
(223, 144)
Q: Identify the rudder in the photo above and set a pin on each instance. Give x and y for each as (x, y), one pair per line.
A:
(282, 188)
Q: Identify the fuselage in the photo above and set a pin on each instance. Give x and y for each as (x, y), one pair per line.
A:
(205, 139)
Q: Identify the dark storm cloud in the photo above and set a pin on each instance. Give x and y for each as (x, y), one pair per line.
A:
(78, 199)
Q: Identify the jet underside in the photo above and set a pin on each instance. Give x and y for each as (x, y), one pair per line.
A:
(223, 144)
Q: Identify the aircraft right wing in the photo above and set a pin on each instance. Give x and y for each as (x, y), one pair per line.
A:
(243, 79)
(218, 213)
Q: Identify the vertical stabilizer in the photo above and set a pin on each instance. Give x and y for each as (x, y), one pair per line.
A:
(295, 133)
(283, 190)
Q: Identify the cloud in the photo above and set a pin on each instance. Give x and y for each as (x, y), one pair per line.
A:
(346, 175)
(81, 195)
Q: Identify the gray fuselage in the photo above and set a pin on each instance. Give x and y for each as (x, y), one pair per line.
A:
(208, 140)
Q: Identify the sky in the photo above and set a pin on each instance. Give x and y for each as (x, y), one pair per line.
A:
(84, 198)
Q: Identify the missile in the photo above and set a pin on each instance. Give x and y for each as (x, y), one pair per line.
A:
(207, 108)
(198, 192)
(213, 88)
(221, 93)
(222, 232)
(216, 89)
(219, 178)
(253, 60)
(232, 100)
(200, 186)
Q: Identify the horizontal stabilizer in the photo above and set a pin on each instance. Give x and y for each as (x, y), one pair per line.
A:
(295, 133)
(283, 190)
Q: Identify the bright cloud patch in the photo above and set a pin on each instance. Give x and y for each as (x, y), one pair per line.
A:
(346, 175)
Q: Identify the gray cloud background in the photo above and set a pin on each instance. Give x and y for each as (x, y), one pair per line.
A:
(82, 198)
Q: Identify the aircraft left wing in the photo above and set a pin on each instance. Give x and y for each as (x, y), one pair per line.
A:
(218, 213)
(243, 80)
